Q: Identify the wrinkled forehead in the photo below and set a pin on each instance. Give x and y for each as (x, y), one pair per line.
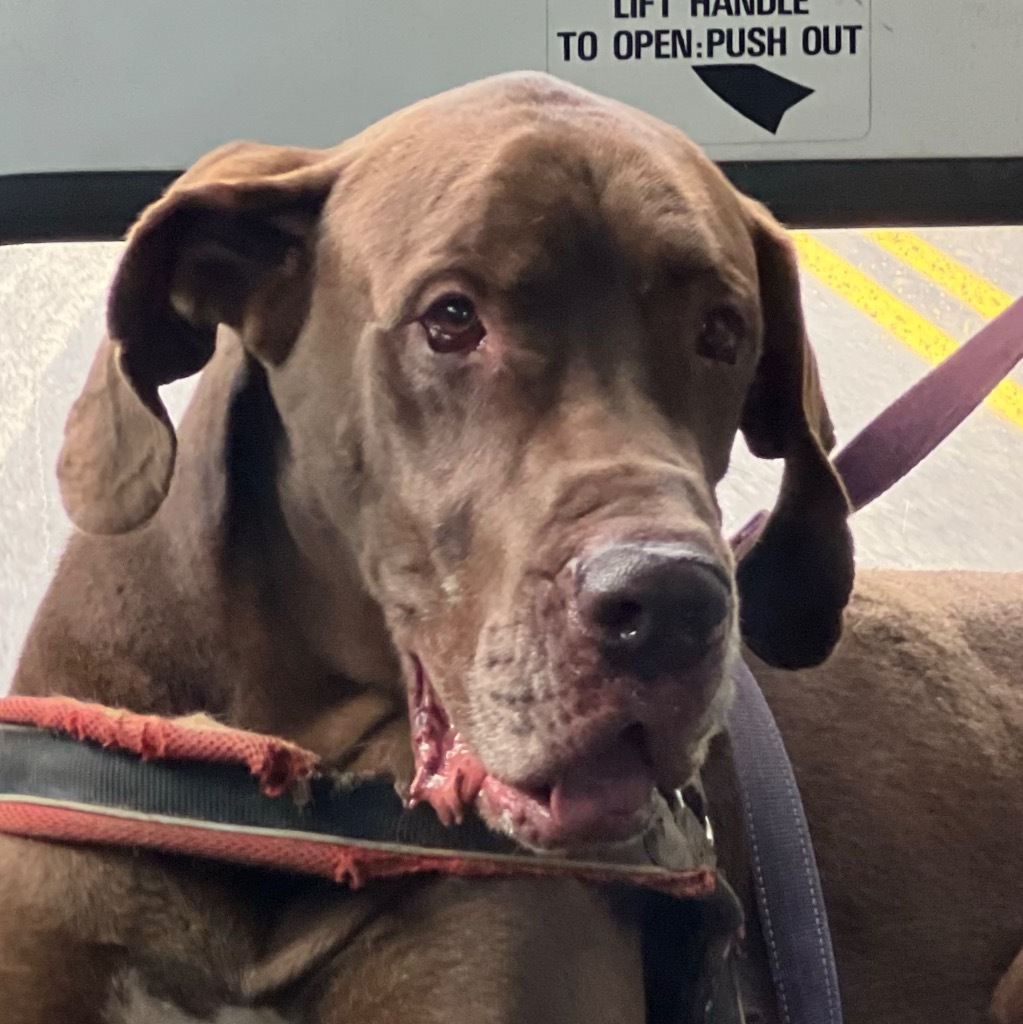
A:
(511, 194)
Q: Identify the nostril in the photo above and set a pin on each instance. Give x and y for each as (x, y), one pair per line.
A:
(621, 621)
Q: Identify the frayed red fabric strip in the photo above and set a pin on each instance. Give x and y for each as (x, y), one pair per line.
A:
(276, 763)
(367, 865)
(347, 864)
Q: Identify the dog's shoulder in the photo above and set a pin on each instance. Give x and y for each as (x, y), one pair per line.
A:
(111, 627)
(939, 616)
(926, 676)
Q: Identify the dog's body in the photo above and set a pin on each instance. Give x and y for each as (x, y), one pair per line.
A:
(455, 454)
(907, 748)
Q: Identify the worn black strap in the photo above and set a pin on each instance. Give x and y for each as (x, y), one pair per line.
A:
(41, 765)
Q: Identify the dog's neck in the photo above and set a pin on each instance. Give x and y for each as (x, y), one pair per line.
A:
(313, 582)
(314, 660)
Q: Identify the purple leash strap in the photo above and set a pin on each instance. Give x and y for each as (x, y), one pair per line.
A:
(787, 883)
(916, 423)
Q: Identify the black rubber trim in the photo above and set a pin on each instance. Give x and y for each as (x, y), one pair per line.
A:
(101, 205)
(879, 193)
(36, 763)
(76, 206)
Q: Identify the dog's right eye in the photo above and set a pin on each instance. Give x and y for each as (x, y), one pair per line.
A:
(453, 325)
(720, 335)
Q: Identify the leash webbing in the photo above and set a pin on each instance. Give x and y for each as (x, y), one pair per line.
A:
(917, 422)
(786, 879)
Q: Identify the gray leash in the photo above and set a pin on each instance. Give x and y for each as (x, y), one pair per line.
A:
(787, 884)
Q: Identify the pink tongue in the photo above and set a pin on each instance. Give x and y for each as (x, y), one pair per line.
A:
(615, 784)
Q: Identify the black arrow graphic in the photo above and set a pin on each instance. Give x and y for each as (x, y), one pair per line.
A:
(758, 94)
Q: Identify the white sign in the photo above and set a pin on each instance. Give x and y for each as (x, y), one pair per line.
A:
(725, 71)
(891, 79)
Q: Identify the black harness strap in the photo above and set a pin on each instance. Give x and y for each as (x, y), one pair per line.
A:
(50, 768)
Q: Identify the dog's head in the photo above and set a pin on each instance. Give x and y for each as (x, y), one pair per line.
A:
(511, 334)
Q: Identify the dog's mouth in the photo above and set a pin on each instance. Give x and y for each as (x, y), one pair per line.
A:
(600, 798)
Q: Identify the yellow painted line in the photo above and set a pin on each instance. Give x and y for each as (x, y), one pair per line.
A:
(895, 316)
(969, 287)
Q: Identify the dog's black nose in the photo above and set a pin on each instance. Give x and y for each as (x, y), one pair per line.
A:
(656, 608)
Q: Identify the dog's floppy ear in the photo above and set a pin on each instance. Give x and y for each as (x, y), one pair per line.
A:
(230, 243)
(795, 581)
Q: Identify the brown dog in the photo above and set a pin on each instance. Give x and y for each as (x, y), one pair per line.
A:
(454, 453)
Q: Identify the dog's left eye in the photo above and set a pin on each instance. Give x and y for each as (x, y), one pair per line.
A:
(720, 334)
(453, 325)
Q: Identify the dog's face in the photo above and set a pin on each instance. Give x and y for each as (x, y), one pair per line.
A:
(511, 334)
